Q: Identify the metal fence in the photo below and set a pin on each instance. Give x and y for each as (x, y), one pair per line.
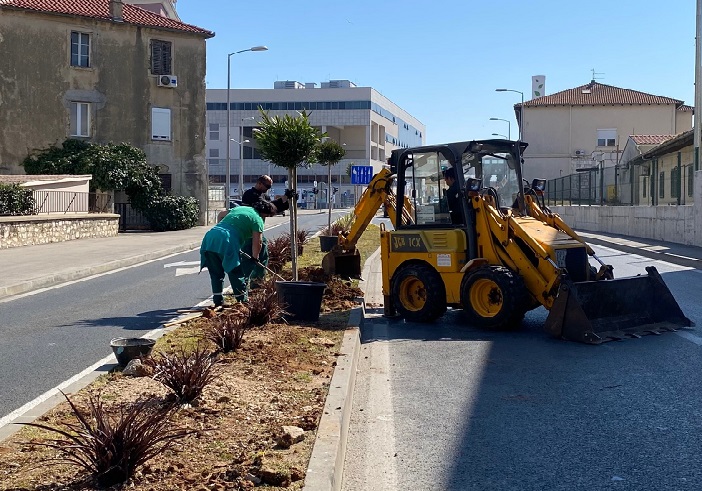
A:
(616, 186)
(46, 202)
(130, 219)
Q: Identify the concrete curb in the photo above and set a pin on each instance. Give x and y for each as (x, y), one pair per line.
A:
(80, 273)
(326, 466)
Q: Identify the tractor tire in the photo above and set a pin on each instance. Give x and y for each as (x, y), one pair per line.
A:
(494, 297)
(418, 293)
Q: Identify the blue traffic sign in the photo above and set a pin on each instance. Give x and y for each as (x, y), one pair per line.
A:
(361, 174)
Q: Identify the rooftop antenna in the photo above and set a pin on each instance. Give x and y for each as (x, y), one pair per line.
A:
(594, 75)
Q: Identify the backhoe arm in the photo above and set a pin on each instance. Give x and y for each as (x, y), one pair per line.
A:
(376, 194)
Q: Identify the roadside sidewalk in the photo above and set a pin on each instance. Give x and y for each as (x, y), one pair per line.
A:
(28, 268)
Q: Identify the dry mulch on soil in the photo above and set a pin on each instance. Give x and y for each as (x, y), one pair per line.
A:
(278, 377)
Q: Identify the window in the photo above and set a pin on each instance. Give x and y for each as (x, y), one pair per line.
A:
(160, 124)
(80, 119)
(161, 57)
(607, 137)
(80, 49)
(214, 131)
(661, 185)
(214, 153)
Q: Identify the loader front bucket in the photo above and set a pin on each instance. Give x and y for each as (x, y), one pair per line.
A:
(346, 264)
(597, 311)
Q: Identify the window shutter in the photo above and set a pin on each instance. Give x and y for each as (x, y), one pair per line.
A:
(160, 124)
(161, 52)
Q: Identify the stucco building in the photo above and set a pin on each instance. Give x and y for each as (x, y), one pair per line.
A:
(589, 125)
(101, 71)
(365, 122)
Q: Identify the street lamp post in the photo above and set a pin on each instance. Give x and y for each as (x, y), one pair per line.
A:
(521, 111)
(509, 126)
(241, 151)
(503, 136)
(241, 155)
(227, 190)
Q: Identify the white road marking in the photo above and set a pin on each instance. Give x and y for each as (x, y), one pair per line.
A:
(681, 257)
(181, 263)
(52, 392)
(690, 337)
(184, 271)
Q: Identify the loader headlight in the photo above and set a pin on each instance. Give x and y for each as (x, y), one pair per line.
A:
(538, 185)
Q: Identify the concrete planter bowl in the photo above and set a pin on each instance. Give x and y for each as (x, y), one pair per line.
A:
(127, 349)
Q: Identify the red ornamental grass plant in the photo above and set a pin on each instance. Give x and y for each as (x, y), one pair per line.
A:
(278, 252)
(227, 329)
(263, 304)
(112, 447)
(186, 373)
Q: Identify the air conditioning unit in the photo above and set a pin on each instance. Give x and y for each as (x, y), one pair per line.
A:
(170, 81)
(579, 153)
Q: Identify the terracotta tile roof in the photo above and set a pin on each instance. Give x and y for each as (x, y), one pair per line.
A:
(596, 94)
(650, 139)
(100, 9)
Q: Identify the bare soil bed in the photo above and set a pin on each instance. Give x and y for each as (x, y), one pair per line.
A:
(278, 377)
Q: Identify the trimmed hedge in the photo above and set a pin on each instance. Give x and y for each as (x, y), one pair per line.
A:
(168, 212)
(16, 200)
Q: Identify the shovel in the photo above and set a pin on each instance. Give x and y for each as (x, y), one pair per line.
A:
(266, 267)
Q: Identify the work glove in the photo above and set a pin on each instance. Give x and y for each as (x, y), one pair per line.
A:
(291, 193)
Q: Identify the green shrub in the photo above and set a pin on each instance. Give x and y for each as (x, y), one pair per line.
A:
(116, 167)
(16, 200)
(166, 212)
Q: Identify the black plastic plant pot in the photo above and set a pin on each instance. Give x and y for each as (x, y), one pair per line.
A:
(127, 349)
(327, 242)
(302, 300)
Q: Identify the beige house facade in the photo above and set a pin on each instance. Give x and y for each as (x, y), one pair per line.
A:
(104, 71)
(588, 126)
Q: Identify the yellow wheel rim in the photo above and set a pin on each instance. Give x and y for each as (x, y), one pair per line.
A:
(486, 298)
(413, 294)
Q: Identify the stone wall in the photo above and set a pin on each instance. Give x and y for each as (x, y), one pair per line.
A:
(19, 231)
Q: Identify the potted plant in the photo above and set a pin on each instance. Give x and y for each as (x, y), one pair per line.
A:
(328, 153)
(290, 142)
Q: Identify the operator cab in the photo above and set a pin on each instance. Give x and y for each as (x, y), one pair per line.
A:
(438, 179)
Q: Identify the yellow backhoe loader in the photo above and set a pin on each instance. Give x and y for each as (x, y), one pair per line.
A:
(489, 246)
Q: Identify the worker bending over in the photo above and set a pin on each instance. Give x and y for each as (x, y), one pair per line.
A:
(221, 246)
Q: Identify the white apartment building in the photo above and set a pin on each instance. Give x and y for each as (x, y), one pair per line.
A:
(367, 124)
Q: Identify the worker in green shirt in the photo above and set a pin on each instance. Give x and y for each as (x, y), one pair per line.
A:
(221, 246)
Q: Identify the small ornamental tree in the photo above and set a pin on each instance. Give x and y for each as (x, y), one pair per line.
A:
(329, 153)
(119, 166)
(288, 142)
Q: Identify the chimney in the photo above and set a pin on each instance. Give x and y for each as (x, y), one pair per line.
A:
(116, 7)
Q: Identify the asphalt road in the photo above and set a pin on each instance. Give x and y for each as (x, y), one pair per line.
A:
(47, 338)
(450, 407)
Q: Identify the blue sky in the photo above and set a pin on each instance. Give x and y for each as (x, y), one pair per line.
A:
(442, 60)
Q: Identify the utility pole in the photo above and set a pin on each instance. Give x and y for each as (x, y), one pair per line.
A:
(697, 130)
